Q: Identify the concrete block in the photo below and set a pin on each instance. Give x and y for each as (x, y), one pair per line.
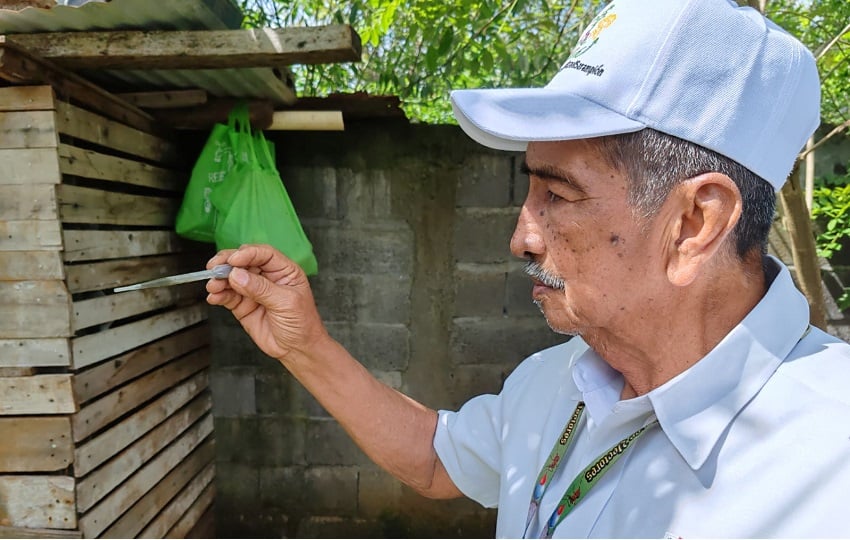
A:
(237, 485)
(485, 181)
(518, 301)
(313, 191)
(282, 489)
(230, 344)
(379, 492)
(520, 187)
(479, 291)
(504, 340)
(331, 490)
(233, 392)
(365, 196)
(280, 441)
(469, 381)
(327, 443)
(336, 527)
(379, 248)
(364, 298)
(377, 346)
(273, 389)
(305, 405)
(236, 440)
(483, 235)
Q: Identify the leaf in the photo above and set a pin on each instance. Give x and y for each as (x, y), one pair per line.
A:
(446, 41)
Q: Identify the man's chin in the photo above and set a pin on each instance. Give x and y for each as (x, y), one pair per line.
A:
(567, 330)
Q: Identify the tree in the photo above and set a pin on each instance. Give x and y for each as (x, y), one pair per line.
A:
(419, 49)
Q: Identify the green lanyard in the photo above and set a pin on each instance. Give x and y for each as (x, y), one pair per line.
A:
(582, 483)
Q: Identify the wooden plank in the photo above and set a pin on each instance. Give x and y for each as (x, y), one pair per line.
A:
(26, 532)
(191, 518)
(28, 129)
(26, 98)
(93, 348)
(216, 111)
(182, 503)
(98, 484)
(92, 245)
(99, 449)
(27, 201)
(307, 121)
(19, 66)
(37, 501)
(98, 414)
(39, 394)
(86, 205)
(38, 444)
(35, 352)
(94, 522)
(17, 371)
(95, 381)
(134, 520)
(94, 128)
(104, 309)
(30, 235)
(31, 265)
(195, 49)
(90, 164)
(24, 166)
(34, 309)
(109, 274)
(169, 99)
(205, 526)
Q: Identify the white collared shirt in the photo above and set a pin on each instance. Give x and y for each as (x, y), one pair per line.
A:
(752, 441)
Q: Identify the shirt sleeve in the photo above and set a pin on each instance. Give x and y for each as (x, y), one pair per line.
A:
(469, 446)
(469, 441)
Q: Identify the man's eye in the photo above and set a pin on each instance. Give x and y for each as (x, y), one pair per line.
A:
(552, 197)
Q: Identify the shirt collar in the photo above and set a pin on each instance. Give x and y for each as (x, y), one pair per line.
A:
(695, 407)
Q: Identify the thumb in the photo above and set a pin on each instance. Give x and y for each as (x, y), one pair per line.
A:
(253, 286)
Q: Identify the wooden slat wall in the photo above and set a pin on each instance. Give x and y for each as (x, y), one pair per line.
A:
(115, 439)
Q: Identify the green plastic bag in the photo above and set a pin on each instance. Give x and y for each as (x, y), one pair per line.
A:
(227, 145)
(254, 208)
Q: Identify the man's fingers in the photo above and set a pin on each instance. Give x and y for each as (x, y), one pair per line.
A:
(254, 286)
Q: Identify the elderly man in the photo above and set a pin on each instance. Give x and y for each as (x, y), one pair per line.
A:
(695, 399)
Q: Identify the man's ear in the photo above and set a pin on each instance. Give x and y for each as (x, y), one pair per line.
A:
(707, 208)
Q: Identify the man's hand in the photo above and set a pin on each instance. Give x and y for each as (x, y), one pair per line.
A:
(271, 297)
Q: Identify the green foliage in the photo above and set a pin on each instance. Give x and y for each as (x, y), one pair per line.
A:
(419, 50)
(831, 212)
(831, 209)
(817, 23)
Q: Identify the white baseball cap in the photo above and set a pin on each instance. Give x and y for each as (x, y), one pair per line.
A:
(707, 71)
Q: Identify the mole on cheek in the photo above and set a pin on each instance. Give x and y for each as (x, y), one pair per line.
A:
(615, 239)
(542, 213)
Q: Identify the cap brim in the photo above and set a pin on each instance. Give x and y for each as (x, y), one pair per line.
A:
(508, 119)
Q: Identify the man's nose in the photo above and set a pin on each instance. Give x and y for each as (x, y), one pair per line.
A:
(527, 242)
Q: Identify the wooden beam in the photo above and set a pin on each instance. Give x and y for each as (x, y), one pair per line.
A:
(19, 66)
(307, 121)
(168, 99)
(195, 49)
(215, 111)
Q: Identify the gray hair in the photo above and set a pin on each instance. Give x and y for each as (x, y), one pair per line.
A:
(656, 162)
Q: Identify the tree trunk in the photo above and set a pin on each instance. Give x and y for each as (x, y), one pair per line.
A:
(798, 223)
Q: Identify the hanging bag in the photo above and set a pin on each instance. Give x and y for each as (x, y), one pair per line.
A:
(226, 145)
(254, 208)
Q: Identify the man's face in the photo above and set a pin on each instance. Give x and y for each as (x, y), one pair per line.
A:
(594, 264)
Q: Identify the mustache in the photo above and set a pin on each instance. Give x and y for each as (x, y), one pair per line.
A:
(542, 275)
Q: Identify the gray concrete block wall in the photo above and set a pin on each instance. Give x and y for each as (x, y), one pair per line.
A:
(410, 225)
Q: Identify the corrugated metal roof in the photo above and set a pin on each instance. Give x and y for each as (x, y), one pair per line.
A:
(155, 15)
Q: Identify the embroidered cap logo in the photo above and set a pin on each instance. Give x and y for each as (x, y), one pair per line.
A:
(603, 20)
